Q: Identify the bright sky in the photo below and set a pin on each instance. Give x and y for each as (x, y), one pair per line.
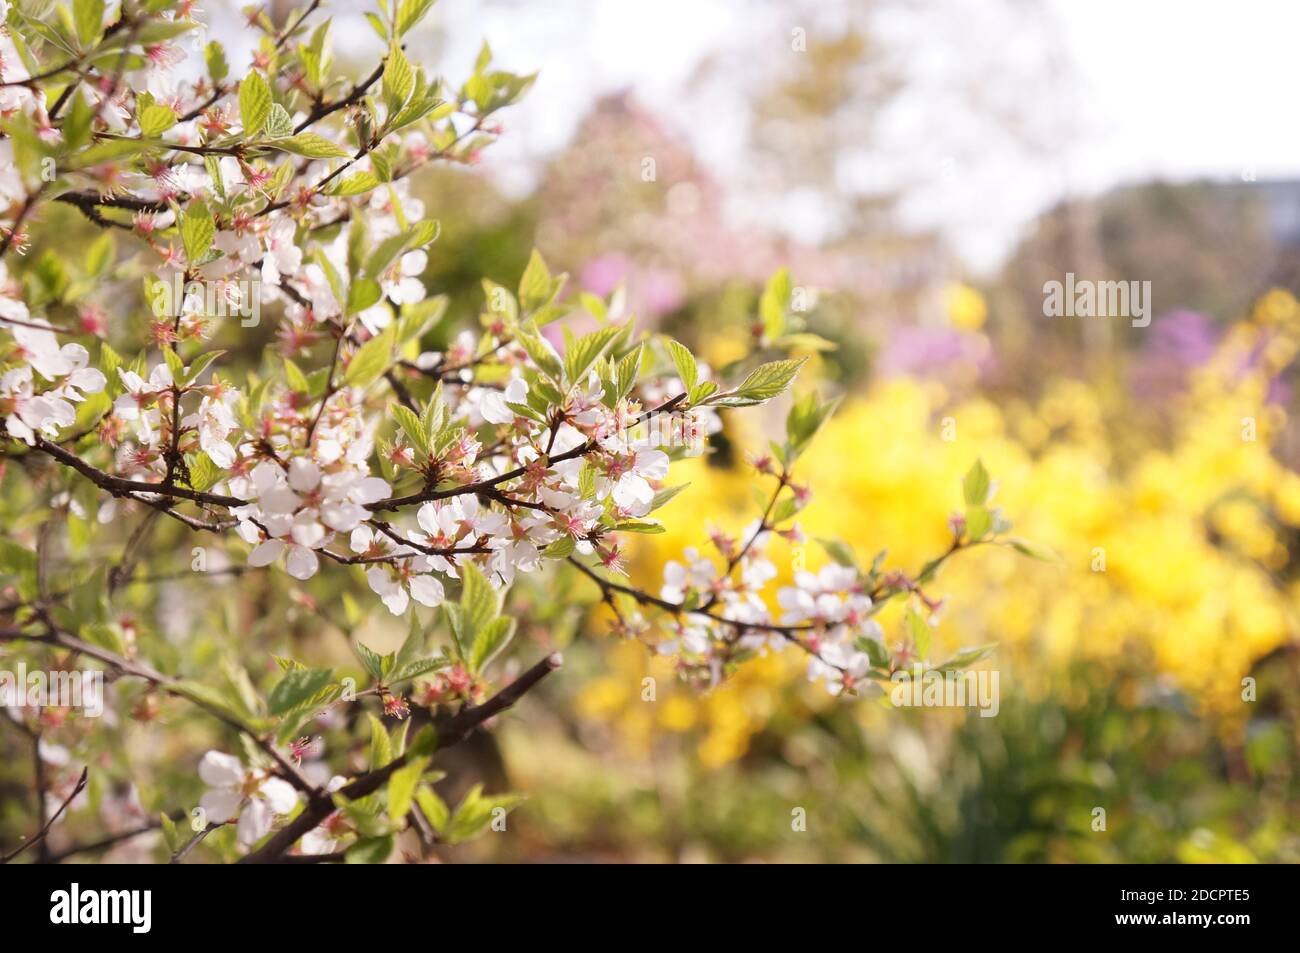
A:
(1179, 88)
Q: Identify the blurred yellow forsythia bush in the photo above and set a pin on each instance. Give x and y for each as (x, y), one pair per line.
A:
(1171, 544)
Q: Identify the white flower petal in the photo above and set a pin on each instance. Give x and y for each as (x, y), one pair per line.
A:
(218, 769)
(302, 562)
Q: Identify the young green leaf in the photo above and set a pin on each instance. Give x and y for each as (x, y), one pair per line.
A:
(254, 103)
(975, 485)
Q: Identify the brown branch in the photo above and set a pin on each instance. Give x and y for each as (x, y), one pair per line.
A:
(172, 686)
(424, 496)
(450, 732)
(39, 836)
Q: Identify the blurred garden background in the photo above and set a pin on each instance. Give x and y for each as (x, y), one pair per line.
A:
(921, 168)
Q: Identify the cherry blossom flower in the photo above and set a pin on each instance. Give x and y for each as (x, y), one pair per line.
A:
(253, 796)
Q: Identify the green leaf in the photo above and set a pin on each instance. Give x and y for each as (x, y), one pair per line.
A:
(171, 836)
(409, 13)
(581, 353)
(412, 427)
(362, 294)
(1033, 550)
(804, 420)
(975, 485)
(774, 303)
(15, 558)
(978, 522)
(399, 80)
(401, 788)
(89, 18)
(416, 668)
(370, 850)
(296, 687)
(279, 123)
(199, 365)
(489, 642)
(536, 289)
(371, 360)
(296, 379)
(876, 652)
(540, 350)
(684, 361)
(155, 120)
(763, 383)
(312, 145)
(433, 807)
(476, 812)
(840, 552)
(640, 526)
(664, 495)
(561, 548)
(479, 604)
(967, 657)
(627, 371)
(373, 661)
(381, 745)
(207, 697)
(919, 630)
(174, 364)
(254, 103)
(198, 229)
(357, 183)
(214, 54)
(204, 474)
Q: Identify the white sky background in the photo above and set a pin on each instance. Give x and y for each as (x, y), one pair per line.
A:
(1108, 91)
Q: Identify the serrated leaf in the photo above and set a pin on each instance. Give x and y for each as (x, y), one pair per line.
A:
(371, 360)
(371, 660)
(479, 605)
(416, 668)
(402, 785)
(664, 495)
(687, 368)
(433, 808)
(398, 80)
(297, 686)
(763, 383)
(381, 745)
(357, 183)
(254, 103)
(535, 286)
(279, 123)
(155, 120)
(409, 13)
(490, 641)
(198, 229)
(311, 145)
(412, 426)
(581, 353)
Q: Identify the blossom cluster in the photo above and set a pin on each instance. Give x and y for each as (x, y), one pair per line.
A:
(439, 465)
